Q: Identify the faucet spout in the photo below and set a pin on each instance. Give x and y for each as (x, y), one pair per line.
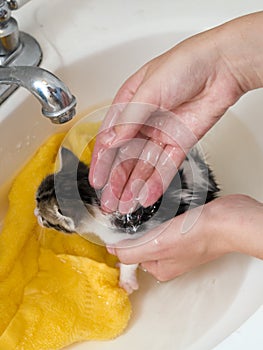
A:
(58, 104)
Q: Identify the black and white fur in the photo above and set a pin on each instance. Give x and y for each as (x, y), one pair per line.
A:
(67, 202)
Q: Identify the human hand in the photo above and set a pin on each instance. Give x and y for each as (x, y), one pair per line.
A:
(166, 107)
(228, 224)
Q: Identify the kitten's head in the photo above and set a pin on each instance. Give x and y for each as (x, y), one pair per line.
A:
(47, 208)
(60, 196)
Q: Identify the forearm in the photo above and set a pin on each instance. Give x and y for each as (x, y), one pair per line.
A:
(240, 44)
(249, 240)
(241, 228)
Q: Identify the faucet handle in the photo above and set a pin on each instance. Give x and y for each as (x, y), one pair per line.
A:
(16, 4)
(5, 12)
(9, 34)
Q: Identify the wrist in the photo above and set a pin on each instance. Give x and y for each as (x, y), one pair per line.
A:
(237, 223)
(248, 237)
(240, 46)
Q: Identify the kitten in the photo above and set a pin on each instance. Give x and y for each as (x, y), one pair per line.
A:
(66, 202)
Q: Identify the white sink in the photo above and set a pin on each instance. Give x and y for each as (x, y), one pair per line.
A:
(94, 48)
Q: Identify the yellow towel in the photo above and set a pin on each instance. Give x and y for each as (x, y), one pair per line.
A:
(55, 289)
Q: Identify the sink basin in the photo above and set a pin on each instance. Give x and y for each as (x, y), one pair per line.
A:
(197, 310)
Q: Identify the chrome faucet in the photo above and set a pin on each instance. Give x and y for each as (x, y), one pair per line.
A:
(19, 56)
(57, 102)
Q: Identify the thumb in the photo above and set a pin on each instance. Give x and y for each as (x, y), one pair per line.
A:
(125, 251)
(135, 251)
(123, 123)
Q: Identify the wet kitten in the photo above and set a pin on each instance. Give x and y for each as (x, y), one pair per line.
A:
(67, 202)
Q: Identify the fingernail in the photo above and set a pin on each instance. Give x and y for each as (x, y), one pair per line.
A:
(111, 250)
(128, 207)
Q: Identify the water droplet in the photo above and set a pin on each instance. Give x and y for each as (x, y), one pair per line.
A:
(19, 146)
(156, 241)
(101, 153)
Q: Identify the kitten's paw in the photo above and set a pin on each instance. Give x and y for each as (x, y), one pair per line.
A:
(130, 286)
(128, 277)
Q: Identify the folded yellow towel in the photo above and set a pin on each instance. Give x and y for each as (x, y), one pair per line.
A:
(55, 289)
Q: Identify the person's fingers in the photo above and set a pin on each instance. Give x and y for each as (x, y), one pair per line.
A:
(102, 157)
(125, 160)
(122, 123)
(165, 170)
(157, 167)
(110, 196)
(178, 138)
(102, 160)
(151, 246)
(142, 170)
(128, 124)
(164, 270)
(133, 251)
(131, 107)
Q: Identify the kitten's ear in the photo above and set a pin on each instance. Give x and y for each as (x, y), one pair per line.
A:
(68, 160)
